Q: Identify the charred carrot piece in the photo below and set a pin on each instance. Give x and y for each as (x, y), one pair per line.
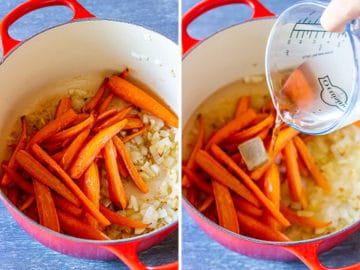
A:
(105, 103)
(75, 227)
(46, 207)
(71, 151)
(221, 174)
(294, 180)
(86, 203)
(199, 142)
(231, 127)
(135, 134)
(52, 127)
(134, 174)
(134, 95)
(255, 228)
(116, 189)
(74, 130)
(39, 172)
(18, 179)
(117, 218)
(304, 221)
(88, 153)
(67, 206)
(225, 207)
(284, 136)
(63, 105)
(243, 104)
(197, 180)
(266, 203)
(310, 163)
(96, 98)
(20, 145)
(114, 119)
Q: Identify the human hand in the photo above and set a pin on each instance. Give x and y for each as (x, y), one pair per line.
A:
(339, 13)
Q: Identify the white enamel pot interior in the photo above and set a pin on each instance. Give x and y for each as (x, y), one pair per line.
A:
(77, 55)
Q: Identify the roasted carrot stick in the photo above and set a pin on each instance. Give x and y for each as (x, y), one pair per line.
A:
(114, 119)
(122, 167)
(225, 207)
(71, 132)
(224, 158)
(207, 203)
(243, 104)
(75, 227)
(284, 136)
(219, 173)
(135, 134)
(197, 180)
(135, 176)
(231, 127)
(272, 184)
(91, 188)
(46, 207)
(88, 153)
(198, 145)
(71, 151)
(310, 163)
(63, 105)
(255, 228)
(52, 127)
(86, 203)
(18, 179)
(246, 207)
(67, 206)
(117, 218)
(105, 103)
(38, 171)
(96, 98)
(304, 221)
(116, 189)
(134, 95)
(252, 131)
(26, 204)
(105, 115)
(133, 122)
(20, 145)
(294, 180)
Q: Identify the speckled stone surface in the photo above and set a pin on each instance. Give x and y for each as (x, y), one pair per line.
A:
(17, 249)
(199, 251)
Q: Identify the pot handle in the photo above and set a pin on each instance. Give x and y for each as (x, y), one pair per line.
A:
(309, 255)
(259, 11)
(128, 254)
(9, 43)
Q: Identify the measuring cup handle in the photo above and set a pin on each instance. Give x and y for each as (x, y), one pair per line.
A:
(259, 11)
(309, 255)
(9, 43)
(128, 254)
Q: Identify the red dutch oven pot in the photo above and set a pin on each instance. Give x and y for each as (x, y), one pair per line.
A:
(236, 52)
(85, 45)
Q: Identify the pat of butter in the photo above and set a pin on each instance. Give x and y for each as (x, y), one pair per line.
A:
(253, 153)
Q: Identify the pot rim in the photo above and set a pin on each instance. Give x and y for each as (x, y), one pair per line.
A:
(6, 201)
(95, 19)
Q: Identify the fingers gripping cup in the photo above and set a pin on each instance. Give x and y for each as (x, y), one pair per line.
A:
(312, 74)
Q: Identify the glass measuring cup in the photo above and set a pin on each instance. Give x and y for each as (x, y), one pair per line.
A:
(312, 74)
